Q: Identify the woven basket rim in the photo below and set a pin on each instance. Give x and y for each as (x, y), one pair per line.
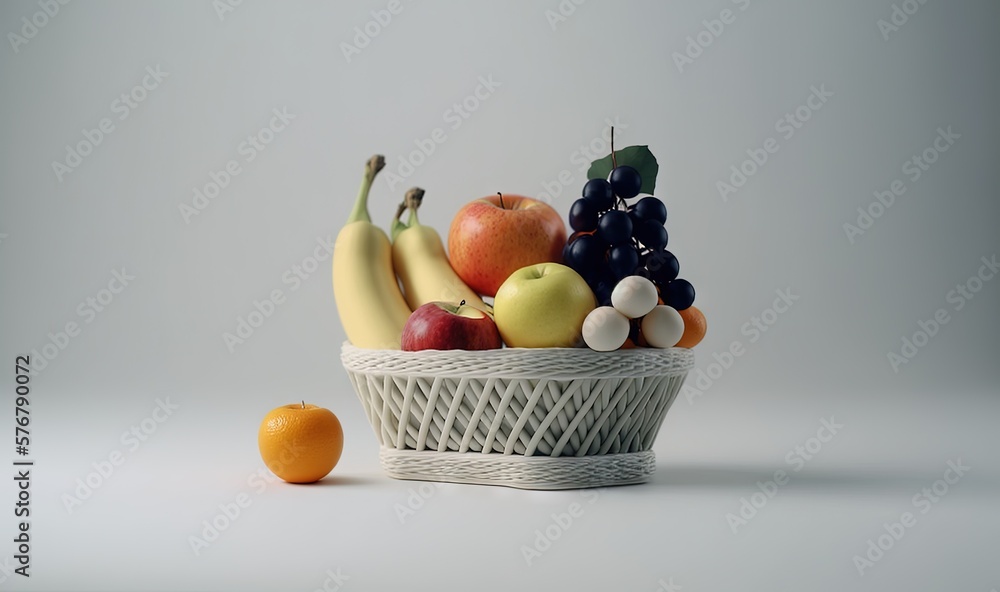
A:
(515, 362)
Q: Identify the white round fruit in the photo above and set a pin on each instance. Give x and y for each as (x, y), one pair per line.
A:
(605, 329)
(634, 296)
(663, 327)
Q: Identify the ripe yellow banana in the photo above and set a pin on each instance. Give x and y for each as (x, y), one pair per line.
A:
(370, 305)
(422, 266)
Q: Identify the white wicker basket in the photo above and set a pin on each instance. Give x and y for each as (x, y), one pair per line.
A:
(553, 418)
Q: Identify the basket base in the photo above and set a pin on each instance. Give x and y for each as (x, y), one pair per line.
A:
(522, 472)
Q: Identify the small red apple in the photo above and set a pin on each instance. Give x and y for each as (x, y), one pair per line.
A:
(443, 325)
(492, 237)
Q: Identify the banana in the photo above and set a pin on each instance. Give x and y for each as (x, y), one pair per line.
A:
(422, 266)
(370, 305)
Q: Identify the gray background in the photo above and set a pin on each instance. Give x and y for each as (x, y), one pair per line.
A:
(162, 336)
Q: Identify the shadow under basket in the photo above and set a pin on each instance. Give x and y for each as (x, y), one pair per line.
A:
(546, 418)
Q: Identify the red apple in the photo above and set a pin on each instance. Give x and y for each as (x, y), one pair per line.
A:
(492, 237)
(443, 325)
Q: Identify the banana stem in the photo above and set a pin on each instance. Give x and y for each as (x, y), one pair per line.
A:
(414, 197)
(360, 211)
(398, 225)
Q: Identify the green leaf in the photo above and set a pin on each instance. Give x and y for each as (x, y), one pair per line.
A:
(637, 157)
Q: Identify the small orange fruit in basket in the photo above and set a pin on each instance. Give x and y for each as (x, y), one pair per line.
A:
(300, 443)
(695, 327)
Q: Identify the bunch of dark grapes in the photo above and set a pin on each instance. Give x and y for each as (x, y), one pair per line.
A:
(613, 239)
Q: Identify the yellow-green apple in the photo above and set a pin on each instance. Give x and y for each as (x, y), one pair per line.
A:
(444, 325)
(543, 305)
(492, 237)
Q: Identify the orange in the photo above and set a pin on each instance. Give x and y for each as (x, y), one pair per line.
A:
(300, 443)
(695, 327)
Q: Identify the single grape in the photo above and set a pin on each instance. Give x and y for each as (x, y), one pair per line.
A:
(662, 266)
(602, 287)
(599, 193)
(623, 260)
(625, 181)
(569, 258)
(678, 294)
(615, 228)
(650, 208)
(636, 220)
(602, 294)
(583, 215)
(586, 252)
(651, 234)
